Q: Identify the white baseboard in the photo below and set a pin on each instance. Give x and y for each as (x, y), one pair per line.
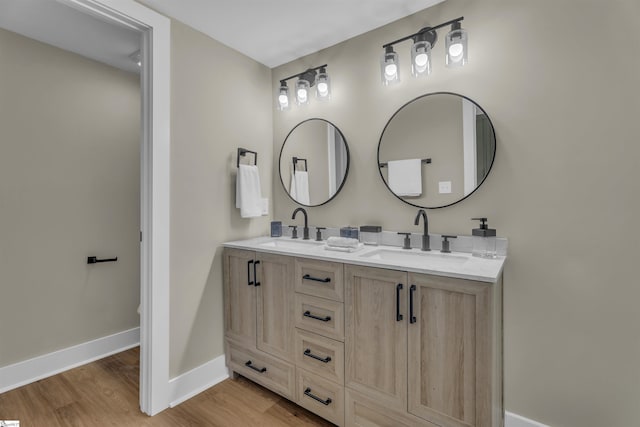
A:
(514, 420)
(197, 380)
(31, 370)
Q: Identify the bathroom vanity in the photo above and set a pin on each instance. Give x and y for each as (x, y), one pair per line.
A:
(377, 337)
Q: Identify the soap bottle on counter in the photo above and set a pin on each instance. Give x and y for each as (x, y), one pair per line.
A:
(484, 240)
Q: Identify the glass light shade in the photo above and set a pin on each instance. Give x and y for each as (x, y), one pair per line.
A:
(283, 98)
(302, 92)
(421, 58)
(456, 46)
(389, 70)
(323, 86)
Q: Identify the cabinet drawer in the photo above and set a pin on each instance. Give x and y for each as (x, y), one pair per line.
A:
(362, 411)
(319, 355)
(319, 315)
(272, 373)
(320, 278)
(320, 396)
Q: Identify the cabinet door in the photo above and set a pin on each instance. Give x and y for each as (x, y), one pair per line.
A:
(449, 349)
(274, 285)
(240, 297)
(375, 337)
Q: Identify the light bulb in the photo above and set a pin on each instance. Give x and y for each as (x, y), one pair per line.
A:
(283, 100)
(421, 59)
(302, 95)
(323, 89)
(455, 50)
(390, 71)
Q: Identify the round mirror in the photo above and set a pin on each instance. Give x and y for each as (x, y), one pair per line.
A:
(436, 150)
(314, 162)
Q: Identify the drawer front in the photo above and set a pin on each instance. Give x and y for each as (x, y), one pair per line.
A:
(362, 411)
(320, 396)
(320, 278)
(319, 315)
(272, 373)
(319, 355)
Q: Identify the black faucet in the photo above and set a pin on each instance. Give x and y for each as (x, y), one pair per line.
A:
(425, 234)
(305, 232)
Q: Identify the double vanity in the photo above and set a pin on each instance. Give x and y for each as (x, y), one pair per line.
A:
(377, 337)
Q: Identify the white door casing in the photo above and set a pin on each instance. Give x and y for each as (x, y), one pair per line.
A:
(155, 82)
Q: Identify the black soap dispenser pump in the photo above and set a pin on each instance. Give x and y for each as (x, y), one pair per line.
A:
(484, 240)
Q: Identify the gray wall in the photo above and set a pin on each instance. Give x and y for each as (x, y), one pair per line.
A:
(69, 188)
(220, 100)
(559, 80)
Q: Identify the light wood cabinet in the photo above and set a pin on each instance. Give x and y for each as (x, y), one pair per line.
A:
(450, 345)
(375, 338)
(258, 301)
(274, 298)
(364, 346)
(424, 345)
(239, 297)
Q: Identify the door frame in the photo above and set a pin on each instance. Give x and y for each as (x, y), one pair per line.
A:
(155, 85)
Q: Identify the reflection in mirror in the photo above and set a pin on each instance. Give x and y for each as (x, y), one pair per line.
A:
(314, 162)
(436, 150)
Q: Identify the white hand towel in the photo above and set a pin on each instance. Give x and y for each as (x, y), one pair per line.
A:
(299, 188)
(265, 206)
(342, 242)
(248, 195)
(405, 177)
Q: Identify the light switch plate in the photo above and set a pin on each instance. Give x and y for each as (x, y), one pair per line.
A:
(444, 187)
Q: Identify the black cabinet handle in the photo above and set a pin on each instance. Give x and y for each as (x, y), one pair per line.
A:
(308, 353)
(325, 280)
(255, 275)
(412, 318)
(95, 260)
(249, 281)
(249, 365)
(399, 316)
(323, 319)
(307, 392)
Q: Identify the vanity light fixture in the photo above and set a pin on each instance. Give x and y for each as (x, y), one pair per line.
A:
(423, 42)
(317, 77)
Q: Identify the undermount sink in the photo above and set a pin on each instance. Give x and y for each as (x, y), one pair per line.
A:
(413, 257)
(292, 244)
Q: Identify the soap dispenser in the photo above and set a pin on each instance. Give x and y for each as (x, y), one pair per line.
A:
(484, 240)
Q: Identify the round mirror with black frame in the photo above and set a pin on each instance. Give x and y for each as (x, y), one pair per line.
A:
(436, 150)
(314, 162)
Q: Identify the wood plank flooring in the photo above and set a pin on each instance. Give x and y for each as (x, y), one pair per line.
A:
(105, 393)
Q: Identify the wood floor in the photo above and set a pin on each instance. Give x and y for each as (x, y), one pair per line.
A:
(105, 393)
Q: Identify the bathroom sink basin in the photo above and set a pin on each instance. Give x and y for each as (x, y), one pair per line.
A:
(414, 257)
(292, 244)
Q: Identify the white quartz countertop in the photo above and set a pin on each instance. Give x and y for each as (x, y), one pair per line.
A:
(460, 265)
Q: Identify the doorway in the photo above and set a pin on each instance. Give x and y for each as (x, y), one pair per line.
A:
(154, 189)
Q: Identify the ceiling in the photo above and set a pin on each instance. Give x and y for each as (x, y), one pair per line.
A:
(272, 32)
(56, 24)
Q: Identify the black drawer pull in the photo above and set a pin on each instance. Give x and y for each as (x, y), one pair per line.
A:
(255, 275)
(249, 365)
(412, 318)
(307, 392)
(325, 280)
(249, 281)
(323, 319)
(398, 315)
(308, 353)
